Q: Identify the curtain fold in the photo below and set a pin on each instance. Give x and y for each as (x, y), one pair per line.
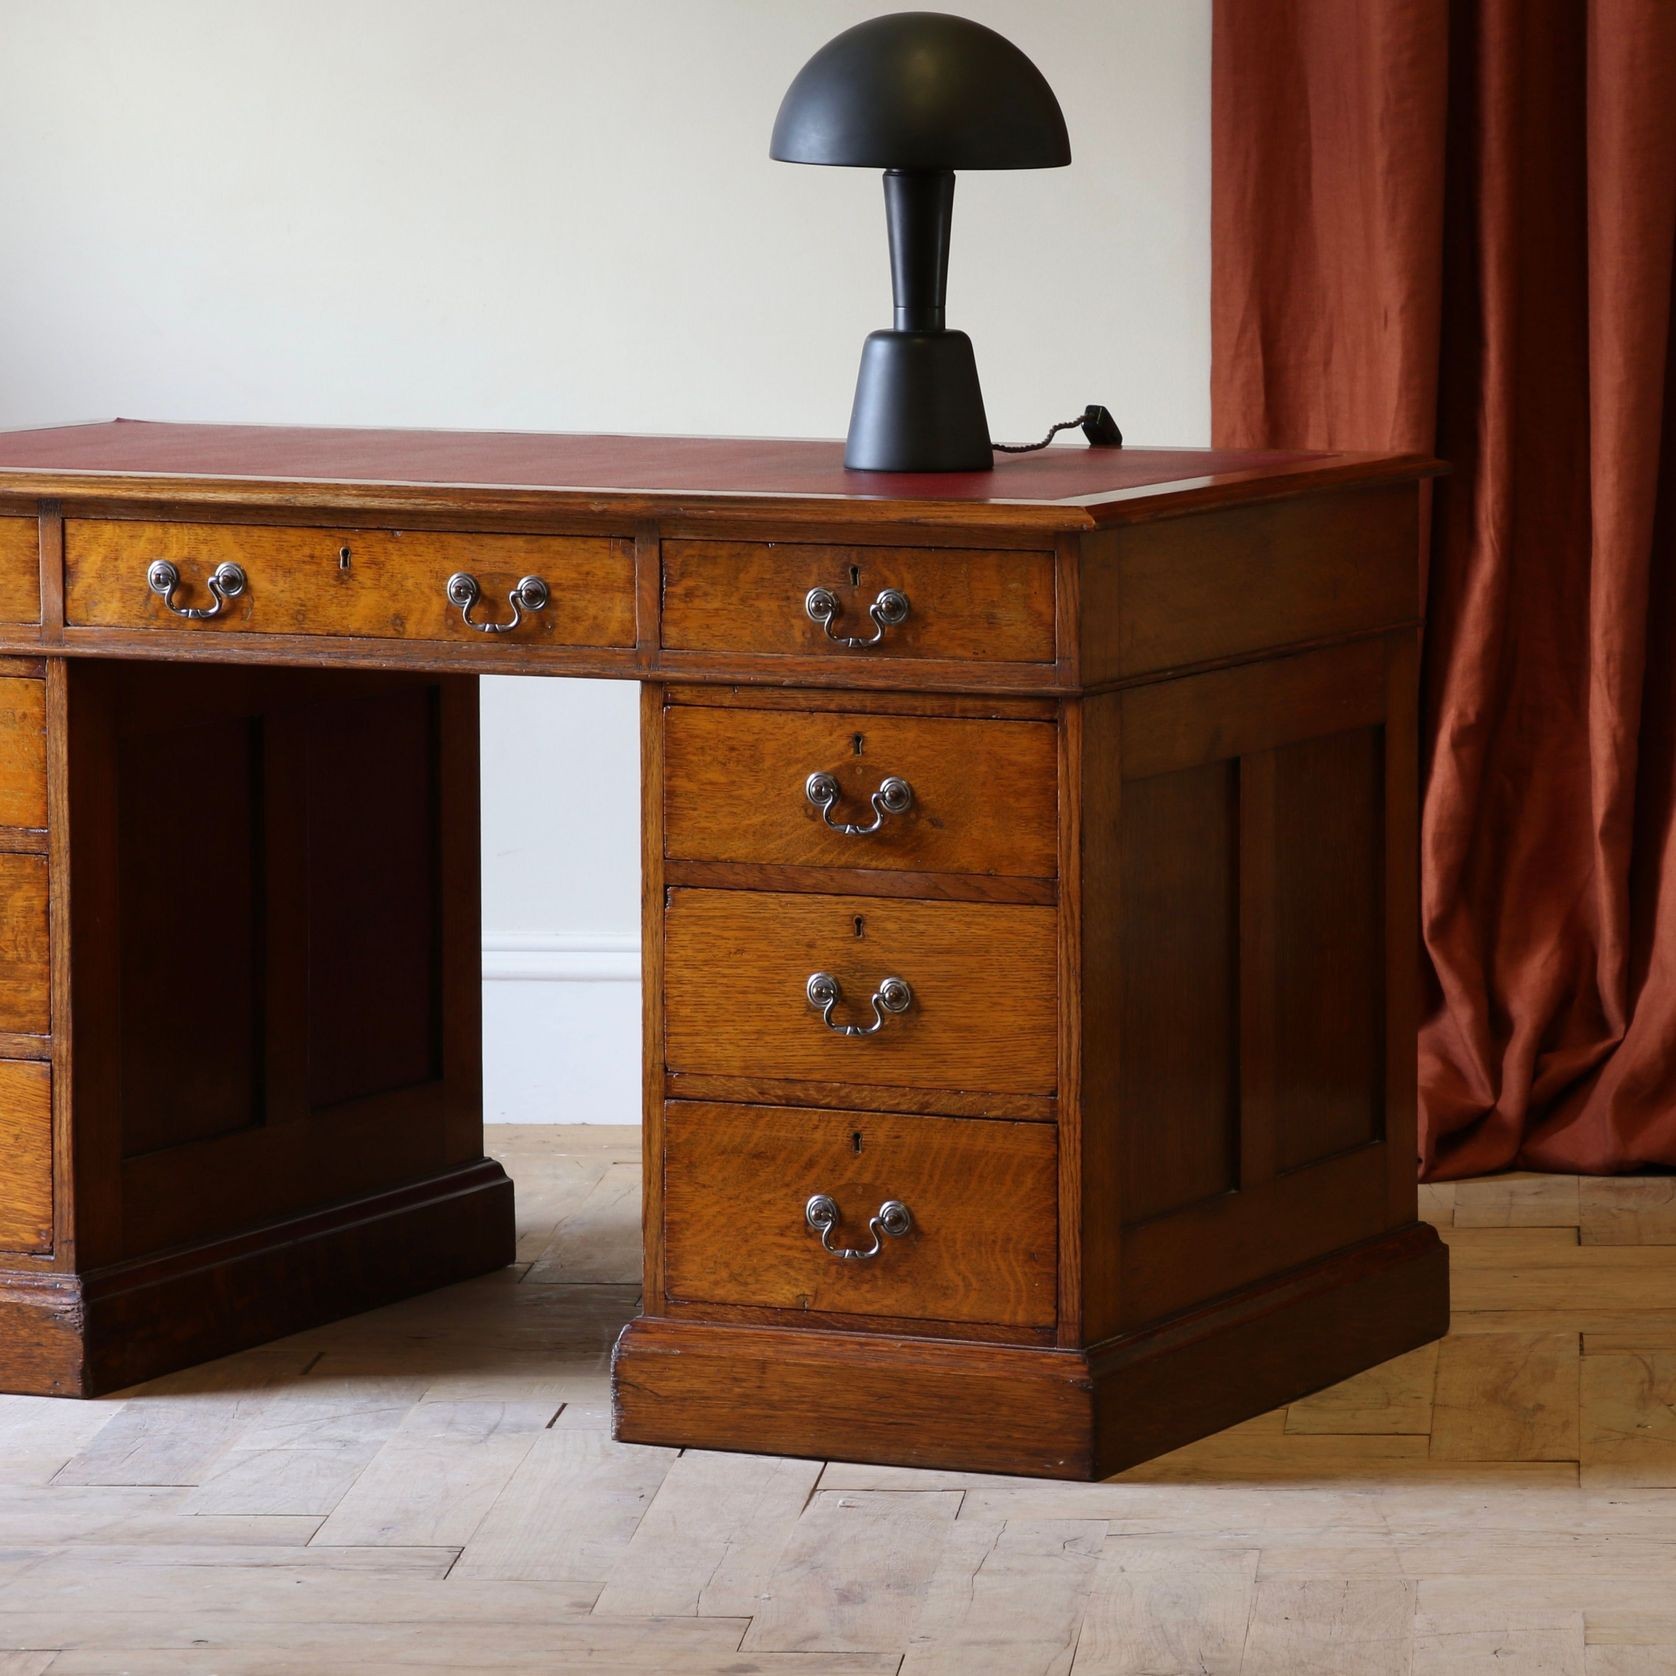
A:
(1451, 227)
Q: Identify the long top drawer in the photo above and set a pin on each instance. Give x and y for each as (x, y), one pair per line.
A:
(386, 584)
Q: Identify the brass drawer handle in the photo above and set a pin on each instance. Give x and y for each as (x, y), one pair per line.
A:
(894, 797)
(893, 1218)
(892, 996)
(530, 594)
(226, 581)
(889, 609)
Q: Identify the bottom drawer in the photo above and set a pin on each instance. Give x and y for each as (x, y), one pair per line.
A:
(25, 1156)
(981, 1198)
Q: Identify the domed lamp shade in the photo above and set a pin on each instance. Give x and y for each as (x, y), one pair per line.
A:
(919, 95)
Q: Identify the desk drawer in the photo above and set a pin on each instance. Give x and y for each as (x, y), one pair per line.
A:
(981, 1229)
(23, 752)
(23, 945)
(981, 797)
(753, 596)
(980, 1012)
(20, 571)
(375, 583)
(25, 1156)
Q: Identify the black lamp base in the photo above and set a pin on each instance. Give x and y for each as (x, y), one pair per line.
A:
(918, 406)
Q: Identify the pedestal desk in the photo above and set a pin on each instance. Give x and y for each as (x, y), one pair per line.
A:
(1029, 929)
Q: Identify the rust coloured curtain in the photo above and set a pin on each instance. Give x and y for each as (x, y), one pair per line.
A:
(1449, 228)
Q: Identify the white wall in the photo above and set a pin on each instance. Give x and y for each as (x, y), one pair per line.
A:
(560, 214)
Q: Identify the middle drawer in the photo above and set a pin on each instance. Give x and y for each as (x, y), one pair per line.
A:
(976, 1007)
(936, 794)
(24, 980)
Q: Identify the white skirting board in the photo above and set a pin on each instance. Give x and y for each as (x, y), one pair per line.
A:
(561, 1029)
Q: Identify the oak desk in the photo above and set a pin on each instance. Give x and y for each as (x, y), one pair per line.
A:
(1029, 931)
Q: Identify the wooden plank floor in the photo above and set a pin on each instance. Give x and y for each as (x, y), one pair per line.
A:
(432, 1487)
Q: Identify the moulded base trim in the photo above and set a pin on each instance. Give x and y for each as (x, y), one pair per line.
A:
(901, 1401)
(82, 1335)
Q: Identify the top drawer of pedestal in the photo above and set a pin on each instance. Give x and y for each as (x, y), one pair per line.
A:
(383, 584)
(20, 571)
(806, 599)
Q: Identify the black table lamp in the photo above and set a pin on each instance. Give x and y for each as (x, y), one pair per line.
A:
(919, 95)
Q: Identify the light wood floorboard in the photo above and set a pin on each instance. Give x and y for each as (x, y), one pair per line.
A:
(433, 1487)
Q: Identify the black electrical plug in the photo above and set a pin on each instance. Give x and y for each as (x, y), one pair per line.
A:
(1100, 428)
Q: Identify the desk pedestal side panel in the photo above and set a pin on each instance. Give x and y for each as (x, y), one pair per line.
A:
(268, 1068)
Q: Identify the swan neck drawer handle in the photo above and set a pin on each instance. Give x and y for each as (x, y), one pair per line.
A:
(893, 1218)
(889, 609)
(226, 581)
(530, 594)
(894, 797)
(892, 996)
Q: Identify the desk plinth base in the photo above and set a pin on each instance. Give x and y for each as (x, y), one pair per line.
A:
(69, 1335)
(1045, 1413)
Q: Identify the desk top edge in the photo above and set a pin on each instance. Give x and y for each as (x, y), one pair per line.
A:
(1062, 488)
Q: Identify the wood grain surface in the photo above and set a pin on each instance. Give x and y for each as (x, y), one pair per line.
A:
(1238, 580)
(391, 585)
(20, 571)
(24, 1006)
(984, 1012)
(25, 1156)
(982, 1196)
(984, 792)
(23, 752)
(748, 596)
(1052, 1413)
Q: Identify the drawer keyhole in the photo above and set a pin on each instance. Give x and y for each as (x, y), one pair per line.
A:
(860, 926)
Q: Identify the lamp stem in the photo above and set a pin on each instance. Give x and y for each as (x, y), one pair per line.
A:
(919, 207)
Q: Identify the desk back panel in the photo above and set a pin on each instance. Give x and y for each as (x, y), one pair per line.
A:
(293, 1011)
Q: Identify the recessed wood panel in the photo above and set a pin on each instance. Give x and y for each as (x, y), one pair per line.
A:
(984, 792)
(392, 584)
(191, 939)
(1321, 1033)
(982, 1197)
(984, 1009)
(748, 596)
(373, 895)
(20, 571)
(1329, 920)
(23, 752)
(1251, 707)
(1178, 1068)
(25, 1156)
(24, 987)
